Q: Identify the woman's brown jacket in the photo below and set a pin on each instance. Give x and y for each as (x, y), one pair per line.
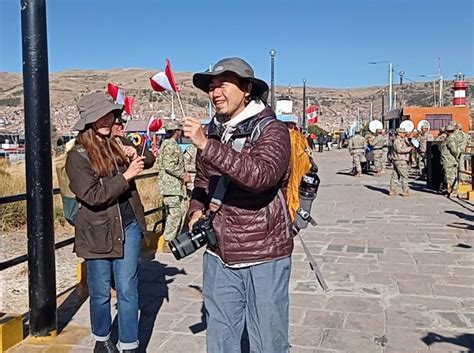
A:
(98, 228)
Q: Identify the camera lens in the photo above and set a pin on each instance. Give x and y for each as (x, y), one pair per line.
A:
(187, 243)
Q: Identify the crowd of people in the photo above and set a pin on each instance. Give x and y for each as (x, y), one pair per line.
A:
(231, 175)
(236, 175)
(405, 150)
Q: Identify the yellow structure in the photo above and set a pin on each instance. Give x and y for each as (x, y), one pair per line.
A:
(11, 331)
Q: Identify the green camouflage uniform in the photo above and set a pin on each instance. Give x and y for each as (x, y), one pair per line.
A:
(423, 138)
(378, 144)
(190, 164)
(171, 184)
(450, 160)
(385, 153)
(357, 150)
(399, 155)
(462, 140)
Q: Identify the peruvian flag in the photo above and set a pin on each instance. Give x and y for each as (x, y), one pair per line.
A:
(312, 114)
(164, 81)
(128, 105)
(154, 124)
(117, 93)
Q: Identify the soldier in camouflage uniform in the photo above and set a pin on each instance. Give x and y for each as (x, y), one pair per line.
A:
(399, 155)
(450, 160)
(442, 134)
(385, 151)
(378, 144)
(462, 139)
(357, 150)
(424, 137)
(171, 180)
(190, 166)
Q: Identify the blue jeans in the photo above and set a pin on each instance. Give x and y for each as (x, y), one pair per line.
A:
(125, 272)
(255, 296)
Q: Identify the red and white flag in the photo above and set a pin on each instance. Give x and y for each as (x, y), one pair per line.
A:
(128, 105)
(164, 81)
(312, 114)
(117, 93)
(154, 125)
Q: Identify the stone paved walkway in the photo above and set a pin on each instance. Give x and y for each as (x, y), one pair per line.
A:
(400, 272)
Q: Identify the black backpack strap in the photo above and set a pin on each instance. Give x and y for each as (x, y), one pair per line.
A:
(259, 127)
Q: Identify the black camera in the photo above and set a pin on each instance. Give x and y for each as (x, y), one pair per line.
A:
(188, 242)
(307, 193)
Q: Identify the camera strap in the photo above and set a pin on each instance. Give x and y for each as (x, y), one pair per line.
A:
(223, 183)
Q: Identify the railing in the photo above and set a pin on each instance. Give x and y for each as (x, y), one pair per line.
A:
(22, 197)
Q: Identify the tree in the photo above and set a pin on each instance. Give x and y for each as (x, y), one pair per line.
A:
(315, 129)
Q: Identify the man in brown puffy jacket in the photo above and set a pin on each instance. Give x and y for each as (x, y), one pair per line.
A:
(246, 276)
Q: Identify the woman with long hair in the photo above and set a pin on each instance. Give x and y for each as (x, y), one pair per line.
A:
(110, 220)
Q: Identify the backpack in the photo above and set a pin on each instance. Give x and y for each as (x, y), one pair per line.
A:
(301, 172)
(69, 200)
(300, 163)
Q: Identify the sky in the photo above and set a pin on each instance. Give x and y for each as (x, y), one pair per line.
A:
(327, 42)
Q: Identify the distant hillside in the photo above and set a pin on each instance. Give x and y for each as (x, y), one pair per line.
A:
(338, 106)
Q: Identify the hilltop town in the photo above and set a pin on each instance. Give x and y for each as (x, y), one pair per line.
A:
(338, 107)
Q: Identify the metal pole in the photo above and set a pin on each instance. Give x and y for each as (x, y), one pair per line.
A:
(390, 72)
(441, 90)
(383, 108)
(371, 110)
(39, 186)
(304, 104)
(272, 56)
(434, 93)
(210, 103)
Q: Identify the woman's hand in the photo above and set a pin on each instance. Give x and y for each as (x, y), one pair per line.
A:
(194, 218)
(135, 167)
(130, 152)
(192, 129)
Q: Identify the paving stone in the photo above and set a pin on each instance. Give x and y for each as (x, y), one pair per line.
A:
(456, 280)
(351, 341)
(408, 319)
(181, 343)
(365, 322)
(396, 256)
(432, 269)
(375, 250)
(453, 291)
(463, 271)
(358, 249)
(305, 336)
(358, 221)
(438, 258)
(422, 303)
(414, 287)
(397, 268)
(374, 278)
(451, 320)
(355, 304)
(324, 319)
(335, 247)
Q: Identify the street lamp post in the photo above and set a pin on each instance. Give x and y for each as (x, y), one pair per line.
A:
(440, 78)
(383, 108)
(272, 56)
(304, 104)
(390, 83)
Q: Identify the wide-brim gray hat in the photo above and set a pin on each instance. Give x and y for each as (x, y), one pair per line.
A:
(94, 106)
(238, 67)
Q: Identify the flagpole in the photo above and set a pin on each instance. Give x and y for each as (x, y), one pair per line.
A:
(180, 104)
(164, 97)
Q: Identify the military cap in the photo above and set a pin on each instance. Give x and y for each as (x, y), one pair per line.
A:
(450, 127)
(173, 125)
(401, 130)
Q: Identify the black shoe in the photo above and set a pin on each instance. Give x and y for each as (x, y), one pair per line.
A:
(129, 351)
(105, 347)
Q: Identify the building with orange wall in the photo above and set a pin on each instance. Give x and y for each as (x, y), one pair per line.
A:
(438, 116)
